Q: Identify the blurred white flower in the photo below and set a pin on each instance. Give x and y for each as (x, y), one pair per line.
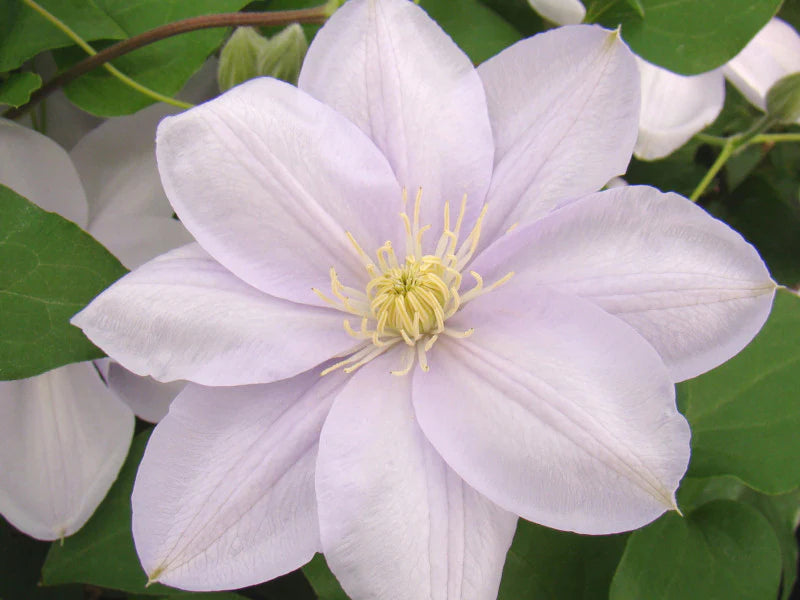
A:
(560, 12)
(65, 434)
(771, 55)
(676, 107)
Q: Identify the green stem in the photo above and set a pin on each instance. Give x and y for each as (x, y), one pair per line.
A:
(108, 67)
(772, 138)
(317, 14)
(714, 140)
(761, 138)
(730, 146)
(727, 151)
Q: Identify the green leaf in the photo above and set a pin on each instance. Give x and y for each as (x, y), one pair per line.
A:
(545, 564)
(519, 14)
(721, 550)
(760, 208)
(164, 66)
(478, 30)
(24, 32)
(17, 89)
(745, 414)
(696, 491)
(781, 511)
(322, 580)
(783, 99)
(687, 36)
(637, 6)
(790, 12)
(49, 270)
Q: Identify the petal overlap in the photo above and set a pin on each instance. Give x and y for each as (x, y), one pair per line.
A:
(685, 281)
(184, 316)
(414, 92)
(224, 496)
(147, 398)
(395, 520)
(564, 124)
(556, 411)
(269, 180)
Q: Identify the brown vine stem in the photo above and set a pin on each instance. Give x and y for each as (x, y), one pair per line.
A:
(317, 14)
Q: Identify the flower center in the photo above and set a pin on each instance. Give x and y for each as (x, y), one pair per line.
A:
(409, 302)
(410, 299)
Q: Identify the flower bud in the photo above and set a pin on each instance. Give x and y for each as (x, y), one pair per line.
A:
(783, 99)
(239, 56)
(284, 55)
(248, 54)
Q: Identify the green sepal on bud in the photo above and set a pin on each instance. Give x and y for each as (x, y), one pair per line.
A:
(285, 55)
(783, 99)
(248, 54)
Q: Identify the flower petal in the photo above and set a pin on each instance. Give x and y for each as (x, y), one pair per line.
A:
(771, 55)
(561, 12)
(136, 239)
(36, 167)
(396, 523)
(268, 180)
(224, 497)
(564, 107)
(556, 411)
(405, 83)
(65, 437)
(117, 165)
(686, 282)
(148, 399)
(183, 316)
(674, 108)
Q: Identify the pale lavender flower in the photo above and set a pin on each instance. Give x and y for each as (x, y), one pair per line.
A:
(395, 395)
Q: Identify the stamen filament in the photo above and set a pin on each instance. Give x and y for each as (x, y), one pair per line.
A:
(409, 303)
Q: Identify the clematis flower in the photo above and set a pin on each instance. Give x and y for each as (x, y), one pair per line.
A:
(65, 433)
(409, 318)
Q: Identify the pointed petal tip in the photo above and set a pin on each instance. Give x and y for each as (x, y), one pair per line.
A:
(154, 576)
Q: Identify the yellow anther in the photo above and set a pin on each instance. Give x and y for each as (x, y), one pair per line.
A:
(409, 303)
